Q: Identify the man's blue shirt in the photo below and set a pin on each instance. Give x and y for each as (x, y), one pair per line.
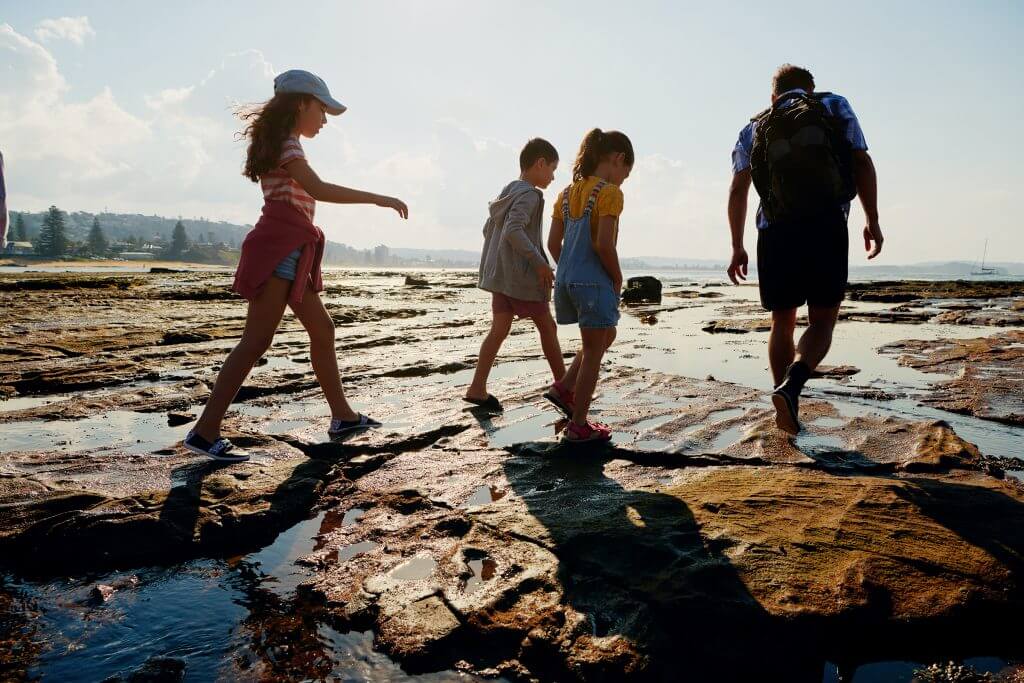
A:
(836, 105)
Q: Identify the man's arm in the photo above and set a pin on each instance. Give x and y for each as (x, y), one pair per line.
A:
(867, 189)
(738, 191)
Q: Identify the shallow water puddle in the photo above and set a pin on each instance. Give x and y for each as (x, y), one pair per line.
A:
(827, 422)
(539, 426)
(485, 495)
(415, 569)
(285, 426)
(352, 516)
(120, 429)
(348, 552)
(810, 443)
(483, 569)
(24, 402)
(228, 620)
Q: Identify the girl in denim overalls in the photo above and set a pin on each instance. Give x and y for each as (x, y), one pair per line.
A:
(582, 240)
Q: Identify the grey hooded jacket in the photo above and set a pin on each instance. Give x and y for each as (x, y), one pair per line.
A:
(513, 239)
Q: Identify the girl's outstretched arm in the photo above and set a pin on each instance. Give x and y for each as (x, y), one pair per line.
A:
(606, 250)
(304, 175)
(555, 235)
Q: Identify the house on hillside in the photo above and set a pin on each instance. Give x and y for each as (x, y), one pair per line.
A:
(18, 248)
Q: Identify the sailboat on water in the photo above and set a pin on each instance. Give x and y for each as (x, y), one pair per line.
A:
(983, 270)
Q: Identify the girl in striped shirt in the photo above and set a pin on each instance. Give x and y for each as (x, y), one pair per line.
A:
(280, 261)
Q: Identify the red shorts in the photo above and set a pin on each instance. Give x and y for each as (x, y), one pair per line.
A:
(501, 303)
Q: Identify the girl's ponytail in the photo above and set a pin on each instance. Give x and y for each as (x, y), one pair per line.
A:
(596, 145)
(589, 155)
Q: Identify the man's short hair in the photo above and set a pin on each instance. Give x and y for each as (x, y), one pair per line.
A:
(788, 77)
(537, 148)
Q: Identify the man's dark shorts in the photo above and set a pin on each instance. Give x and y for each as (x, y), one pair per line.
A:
(803, 261)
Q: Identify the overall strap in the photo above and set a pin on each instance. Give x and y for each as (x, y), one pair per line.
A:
(593, 196)
(565, 204)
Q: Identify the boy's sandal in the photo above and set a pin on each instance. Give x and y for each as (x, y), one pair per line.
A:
(339, 427)
(489, 403)
(589, 432)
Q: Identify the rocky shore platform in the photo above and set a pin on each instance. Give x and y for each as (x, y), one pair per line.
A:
(703, 544)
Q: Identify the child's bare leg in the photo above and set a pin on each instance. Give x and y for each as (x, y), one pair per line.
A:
(501, 323)
(261, 321)
(549, 344)
(595, 343)
(320, 328)
(569, 380)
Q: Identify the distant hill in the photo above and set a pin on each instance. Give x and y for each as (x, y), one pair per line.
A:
(157, 230)
(119, 226)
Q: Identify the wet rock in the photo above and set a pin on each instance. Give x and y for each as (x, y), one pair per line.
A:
(155, 670)
(912, 290)
(597, 568)
(835, 371)
(734, 326)
(643, 289)
(420, 634)
(891, 316)
(987, 374)
(101, 593)
(93, 511)
(692, 294)
(30, 282)
(411, 281)
(178, 419)
(994, 317)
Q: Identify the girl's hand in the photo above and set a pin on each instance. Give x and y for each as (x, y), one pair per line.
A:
(396, 204)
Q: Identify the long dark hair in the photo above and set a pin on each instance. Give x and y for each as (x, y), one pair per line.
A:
(268, 125)
(596, 146)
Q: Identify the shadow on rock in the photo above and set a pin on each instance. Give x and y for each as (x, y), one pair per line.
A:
(635, 564)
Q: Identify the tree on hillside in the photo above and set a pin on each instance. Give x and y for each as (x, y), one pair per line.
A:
(52, 240)
(179, 241)
(20, 231)
(97, 243)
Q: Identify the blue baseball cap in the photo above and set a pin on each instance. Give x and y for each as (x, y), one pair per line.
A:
(303, 82)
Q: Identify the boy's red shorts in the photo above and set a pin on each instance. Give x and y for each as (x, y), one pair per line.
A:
(501, 303)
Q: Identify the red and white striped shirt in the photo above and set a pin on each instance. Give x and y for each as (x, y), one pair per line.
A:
(280, 186)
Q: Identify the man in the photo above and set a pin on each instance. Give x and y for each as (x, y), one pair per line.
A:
(807, 158)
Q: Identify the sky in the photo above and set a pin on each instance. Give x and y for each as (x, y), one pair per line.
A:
(127, 107)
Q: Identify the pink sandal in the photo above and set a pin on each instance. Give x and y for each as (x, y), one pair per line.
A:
(591, 431)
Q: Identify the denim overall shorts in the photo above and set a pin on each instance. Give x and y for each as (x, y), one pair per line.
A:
(583, 289)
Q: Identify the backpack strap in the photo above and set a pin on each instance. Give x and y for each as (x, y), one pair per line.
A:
(565, 204)
(593, 197)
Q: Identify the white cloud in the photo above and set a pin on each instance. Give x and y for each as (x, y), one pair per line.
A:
(168, 97)
(72, 29)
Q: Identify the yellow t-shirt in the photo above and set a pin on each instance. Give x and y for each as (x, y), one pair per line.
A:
(609, 202)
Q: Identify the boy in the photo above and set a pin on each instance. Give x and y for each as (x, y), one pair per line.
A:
(514, 268)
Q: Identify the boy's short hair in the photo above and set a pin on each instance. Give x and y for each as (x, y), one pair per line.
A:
(789, 77)
(537, 148)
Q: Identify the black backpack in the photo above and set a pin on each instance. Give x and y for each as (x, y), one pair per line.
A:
(801, 162)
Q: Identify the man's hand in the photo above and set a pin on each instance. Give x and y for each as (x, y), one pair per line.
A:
(617, 286)
(738, 266)
(545, 276)
(396, 204)
(873, 233)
